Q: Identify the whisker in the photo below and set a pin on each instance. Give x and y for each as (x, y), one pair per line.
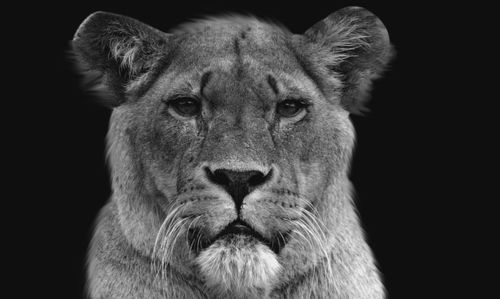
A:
(193, 222)
(319, 227)
(314, 232)
(165, 239)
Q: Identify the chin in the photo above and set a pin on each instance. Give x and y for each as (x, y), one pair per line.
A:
(238, 265)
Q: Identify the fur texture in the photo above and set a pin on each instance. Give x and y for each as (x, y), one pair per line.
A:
(241, 266)
(170, 227)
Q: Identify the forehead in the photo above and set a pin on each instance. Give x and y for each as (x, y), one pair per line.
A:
(235, 36)
(237, 48)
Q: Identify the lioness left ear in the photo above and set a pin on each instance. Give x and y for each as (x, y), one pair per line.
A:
(116, 53)
(354, 44)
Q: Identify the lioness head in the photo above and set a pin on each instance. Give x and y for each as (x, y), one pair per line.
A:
(230, 140)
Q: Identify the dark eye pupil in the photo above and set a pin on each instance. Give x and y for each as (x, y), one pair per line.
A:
(289, 108)
(186, 106)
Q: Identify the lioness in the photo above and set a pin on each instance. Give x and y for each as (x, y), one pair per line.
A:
(229, 146)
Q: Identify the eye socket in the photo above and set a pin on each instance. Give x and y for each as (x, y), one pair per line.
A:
(290, 107)
(185, 106)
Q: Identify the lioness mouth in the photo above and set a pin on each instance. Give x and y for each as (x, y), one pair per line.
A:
(239, 227)
(236, 229)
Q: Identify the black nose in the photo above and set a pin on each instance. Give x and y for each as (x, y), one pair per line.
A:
(237, 183)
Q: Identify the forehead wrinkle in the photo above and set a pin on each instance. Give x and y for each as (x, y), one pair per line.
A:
(185, 78)
(289, 80)
(293, 81)
(204, 80)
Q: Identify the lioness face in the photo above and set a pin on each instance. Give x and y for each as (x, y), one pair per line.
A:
(234, 139)
(233, 130)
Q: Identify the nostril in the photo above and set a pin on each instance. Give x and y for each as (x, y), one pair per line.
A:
(218, 177)
(227, 177)
(259, 178)
(256, 179)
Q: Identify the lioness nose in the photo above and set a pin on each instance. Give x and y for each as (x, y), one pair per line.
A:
(237, 183)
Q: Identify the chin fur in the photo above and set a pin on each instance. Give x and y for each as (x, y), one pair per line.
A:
(239, 267)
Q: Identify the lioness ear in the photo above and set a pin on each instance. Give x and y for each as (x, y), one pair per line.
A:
(353, 43)
(116, 54)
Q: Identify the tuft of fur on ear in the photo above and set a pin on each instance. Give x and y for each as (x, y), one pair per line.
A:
(353, 43)
(116, 54)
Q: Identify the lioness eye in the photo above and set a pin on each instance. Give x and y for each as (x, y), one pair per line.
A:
(185, 106)
(290, 107)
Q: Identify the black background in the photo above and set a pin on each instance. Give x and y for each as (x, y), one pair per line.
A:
(403, 170)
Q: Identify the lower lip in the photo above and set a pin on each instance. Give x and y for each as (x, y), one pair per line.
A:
(246, 236)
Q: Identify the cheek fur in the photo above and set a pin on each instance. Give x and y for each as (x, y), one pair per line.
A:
(168, 138)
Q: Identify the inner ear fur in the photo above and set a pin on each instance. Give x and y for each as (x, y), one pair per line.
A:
(353, 44)
(113, 52)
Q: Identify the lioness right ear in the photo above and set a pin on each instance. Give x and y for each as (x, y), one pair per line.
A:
(116, 54)
(353, 45)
